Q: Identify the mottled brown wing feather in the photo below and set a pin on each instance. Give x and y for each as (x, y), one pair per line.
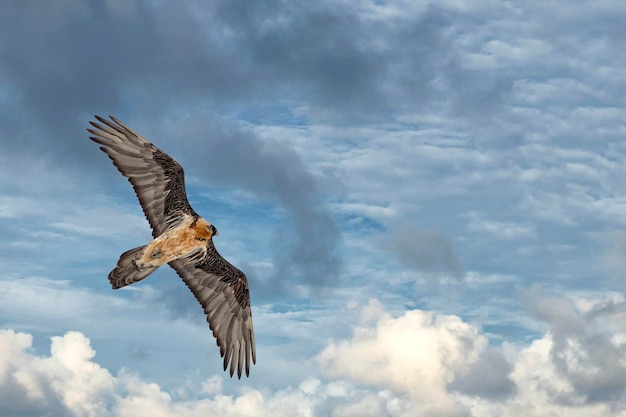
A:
(158, 180)
(222, 290)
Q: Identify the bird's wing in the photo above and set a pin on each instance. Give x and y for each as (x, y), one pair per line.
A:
(158, 180)
(222, 290)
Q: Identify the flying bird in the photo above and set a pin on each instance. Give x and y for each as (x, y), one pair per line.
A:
(182, 239)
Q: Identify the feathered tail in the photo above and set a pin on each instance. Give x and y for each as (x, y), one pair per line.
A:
(126, 272)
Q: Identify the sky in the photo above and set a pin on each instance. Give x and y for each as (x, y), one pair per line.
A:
(428, 199)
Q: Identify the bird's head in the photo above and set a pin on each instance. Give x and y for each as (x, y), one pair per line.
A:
(206, 229)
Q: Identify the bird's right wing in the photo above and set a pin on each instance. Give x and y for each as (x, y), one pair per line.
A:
(158, 180)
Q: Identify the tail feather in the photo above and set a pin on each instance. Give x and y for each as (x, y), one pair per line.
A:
(126, 272)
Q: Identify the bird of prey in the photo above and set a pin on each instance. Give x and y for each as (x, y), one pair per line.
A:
(182, 239)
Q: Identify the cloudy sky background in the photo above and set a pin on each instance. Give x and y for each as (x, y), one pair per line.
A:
(428, 198)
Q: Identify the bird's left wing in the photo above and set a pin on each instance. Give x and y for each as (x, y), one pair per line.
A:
(222, 290)
(158, 180)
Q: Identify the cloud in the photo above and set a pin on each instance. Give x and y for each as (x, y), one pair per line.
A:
(427, 251)
(542, 389)
(500, 230)
(67, 383)
(416, 354)
(615, 252)
(416, 363)
(489, 377)
(590, 360)
(324, 53)
(341, 58)
(441, 365)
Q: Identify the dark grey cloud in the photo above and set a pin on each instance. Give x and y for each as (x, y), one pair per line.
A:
(427, 251)
(608, 308)
(82, 57)
(137, 351)
(66, 63)
(489, 377)
(340, 61)
(346, 65)
(582, 353)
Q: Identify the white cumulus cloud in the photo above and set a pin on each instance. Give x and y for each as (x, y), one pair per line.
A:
(417, 354)
(415, 364)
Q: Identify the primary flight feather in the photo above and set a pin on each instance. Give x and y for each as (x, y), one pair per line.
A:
(182, 239)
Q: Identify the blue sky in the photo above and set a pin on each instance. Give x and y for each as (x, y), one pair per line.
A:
(428, 199)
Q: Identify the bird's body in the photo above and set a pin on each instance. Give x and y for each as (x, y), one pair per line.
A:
(189, 238)
(182, 239)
